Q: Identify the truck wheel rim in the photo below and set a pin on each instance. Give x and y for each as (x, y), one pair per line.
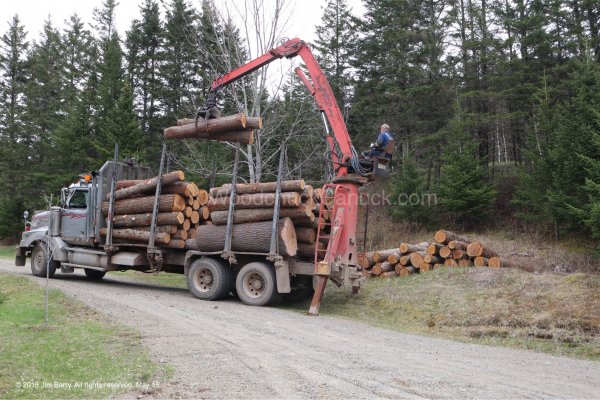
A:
(254, 285)
(39, 260)
(204, 280)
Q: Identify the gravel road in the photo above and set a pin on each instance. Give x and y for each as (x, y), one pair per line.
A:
(230, 351)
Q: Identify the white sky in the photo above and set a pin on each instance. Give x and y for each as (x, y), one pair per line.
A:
(305, 15)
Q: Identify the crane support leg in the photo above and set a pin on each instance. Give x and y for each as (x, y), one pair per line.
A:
(315, 304)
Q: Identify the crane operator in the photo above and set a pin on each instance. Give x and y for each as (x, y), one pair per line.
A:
(378, 149)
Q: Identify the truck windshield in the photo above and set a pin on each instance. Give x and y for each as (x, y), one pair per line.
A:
(78, 199)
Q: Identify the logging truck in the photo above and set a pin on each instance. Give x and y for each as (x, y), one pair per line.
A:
(76, 235)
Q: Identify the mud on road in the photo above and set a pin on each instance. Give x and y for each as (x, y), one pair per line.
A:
(228, 350)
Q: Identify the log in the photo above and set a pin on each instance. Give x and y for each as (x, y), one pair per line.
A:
(450, 262)
(306, 235)
(416, 258)
(204, 213)
(445, 252)
(134, 220)
(481, 261)
(174, 244)
(260, 214)
(364, 260)
(265, 187)
(411, 248)
(428, 258)
(379, 268)
(457, 254)
(239, 136)
(188, 212)
(147, 185)
(382, 255)
(308, 193)
(443, 237)
(226, 123)
(434, 249)
(195, 217)
(255, 200)
(424, 267)
(387, 275)
(457, 245)
(186, 225)
(180, 234)
(400, 270)
(307, 250)
(195, 204)
(394, 258)
(464, 263)
(252, 237)
(191, 233)
(135, 235)
(138, 205)
(404, 260)
(170, 229)
(478, 249)
(494, 262)
(251, 122)
(437, 266)
(202, 196)
(185, 189)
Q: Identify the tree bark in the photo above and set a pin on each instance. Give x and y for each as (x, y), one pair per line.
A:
(306, 235)
(260, 214)
(136, 235)
(251, 122)
(253, 237)
(188, 132)
(379, 268)
(307, 250)
(411, 248)
(138, 205)
(132, 220)
(147, 186)
(394, 258)
(457, 245)
(477, 249)
(434, 249)
(364, 260)
(432, 259)
(185, 189)
(180, 234)
(255, 200)
(213, 125)
(265, 187)
(382, 255)
(174, 244)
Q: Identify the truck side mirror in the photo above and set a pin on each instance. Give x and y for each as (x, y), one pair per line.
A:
(25, 214)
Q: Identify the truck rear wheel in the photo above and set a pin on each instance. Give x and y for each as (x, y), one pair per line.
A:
(39, 262)
(256, 284)
(210, 279)
(94, 274)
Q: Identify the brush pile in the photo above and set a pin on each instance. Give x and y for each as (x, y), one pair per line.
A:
(447, 250)
(253, 215)
(182, 210)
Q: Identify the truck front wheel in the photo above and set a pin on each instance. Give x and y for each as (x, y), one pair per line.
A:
(210, 279)
(256, 284)
(39, 262)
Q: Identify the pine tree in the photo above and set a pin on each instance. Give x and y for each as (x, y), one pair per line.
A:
(408, 189)
(104, 18)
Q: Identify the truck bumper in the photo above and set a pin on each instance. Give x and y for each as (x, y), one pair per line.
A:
(20, 257)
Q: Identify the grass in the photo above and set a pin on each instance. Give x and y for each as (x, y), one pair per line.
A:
(80, 347)
(7, 252)
(553, 313)
(162, 278)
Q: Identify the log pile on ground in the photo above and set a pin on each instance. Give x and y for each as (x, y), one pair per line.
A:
(232, 128)
(446, 250)
(253, 215)
(182, 209)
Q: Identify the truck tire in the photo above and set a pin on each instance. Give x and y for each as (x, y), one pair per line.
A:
(256, 284)
(210, 279)
(39, 262)
(302, 289)
(94, 274)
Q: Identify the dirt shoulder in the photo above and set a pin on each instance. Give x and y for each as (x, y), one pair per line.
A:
(228, 350)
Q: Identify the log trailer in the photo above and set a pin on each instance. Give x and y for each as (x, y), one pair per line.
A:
(69, 236)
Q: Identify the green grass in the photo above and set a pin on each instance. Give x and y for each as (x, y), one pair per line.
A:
(556, 314)
(79, 347)
(162, 278)
(7, 252)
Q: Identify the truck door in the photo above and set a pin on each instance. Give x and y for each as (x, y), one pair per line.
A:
(73, 224)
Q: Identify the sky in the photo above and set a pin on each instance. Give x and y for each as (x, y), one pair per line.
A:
(305, 13)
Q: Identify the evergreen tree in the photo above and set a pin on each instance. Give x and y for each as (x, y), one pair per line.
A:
(408, 189)
(104, 19)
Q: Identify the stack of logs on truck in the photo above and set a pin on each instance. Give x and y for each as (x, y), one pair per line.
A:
(447, 250)
(191, 218)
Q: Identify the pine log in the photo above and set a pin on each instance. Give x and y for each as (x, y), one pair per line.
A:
(364, 260)
(428, 258)
(239, 136)
(138, 205)
(188, 212)
(307, 250)
(458, 254)
(306, 235)
(477, 249)
(195, 217)
(260, 214)
(134, 220)
(424, 267)
(450, 262)
(457, 245)
(186, 225)
(195, 204)
(191, 233)
(434, 249)
(443, 237)
(481, 261)
(306, 221)
(494, 262)
(147, 186)
(445, 252)
(379, 268)
(400, 270)
(382, 255)
(388, 275)
(411, 248)
(251, 122)
(394, 258)
(174, 244)
(437, 266)
(307, 193)
(204, 213)
(252, 237)
(255, 200)
(180, 234)
(170, 229)
(135, 235)
(185, 189)
(464, 263)
(416, 258)
(405, 260)
(265, 187)
(203, 197)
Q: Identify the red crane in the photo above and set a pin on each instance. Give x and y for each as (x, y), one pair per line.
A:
(339, 263)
